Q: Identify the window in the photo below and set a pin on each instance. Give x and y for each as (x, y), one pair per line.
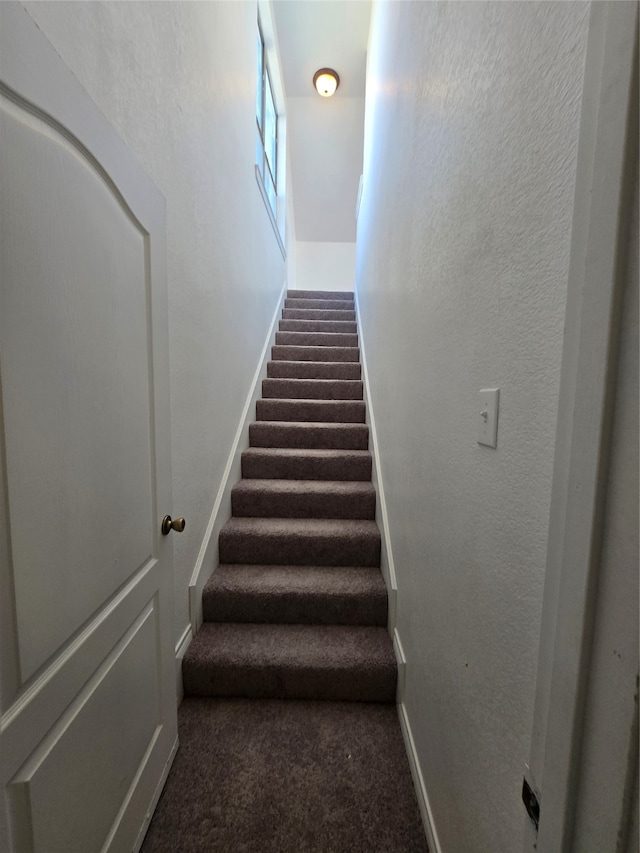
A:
(267, 128)
(271, 125)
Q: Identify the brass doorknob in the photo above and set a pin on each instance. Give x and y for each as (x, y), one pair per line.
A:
(177, 524)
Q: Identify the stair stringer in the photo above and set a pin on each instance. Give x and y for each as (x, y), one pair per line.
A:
(208, 557)
(387, 566)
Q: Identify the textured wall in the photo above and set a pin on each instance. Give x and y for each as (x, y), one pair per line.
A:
(325, 140)
(177, 81)
(325, 266)
(463, 246)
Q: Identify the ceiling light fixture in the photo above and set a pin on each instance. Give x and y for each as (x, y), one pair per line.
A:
(326, 81)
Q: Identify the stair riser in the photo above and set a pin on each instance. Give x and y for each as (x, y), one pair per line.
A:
(282, 683)
(339, 437)
(318, 411)
(315, 339)
(347, 295)
(317, 314)
(300, 389)
(326, 326)
(349, 370)
(320, 304)
(299, 550)
(295, 608)
(247, 504)
(290, 353)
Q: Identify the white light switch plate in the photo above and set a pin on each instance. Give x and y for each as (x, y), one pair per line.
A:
(488, 417)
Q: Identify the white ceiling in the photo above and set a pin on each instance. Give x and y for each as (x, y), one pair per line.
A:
(313, 34)
(325, 135)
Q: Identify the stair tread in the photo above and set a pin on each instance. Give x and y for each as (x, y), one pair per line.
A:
(300, 541)
(288, 352)
(345, 327)
(305, 595)
(291, 661)
(313, 383)
(325, 487)
(319, 647)
(332, 404)
(274, 581)
(303, 409)
(316, 339)
(293, 498)
(311, 425)
(314, 370)
(319, 314)
(320, 304)
(334, 528)
(321, 294)
(306, 463)
(308, 452)
(308, 434)
(332, 426)
(311, 389)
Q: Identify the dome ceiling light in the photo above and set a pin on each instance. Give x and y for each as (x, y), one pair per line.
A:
(326, 81)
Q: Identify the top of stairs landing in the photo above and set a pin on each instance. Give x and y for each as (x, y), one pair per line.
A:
(320, 294)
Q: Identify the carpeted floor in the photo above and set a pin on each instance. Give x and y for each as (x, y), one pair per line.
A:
(278, 776)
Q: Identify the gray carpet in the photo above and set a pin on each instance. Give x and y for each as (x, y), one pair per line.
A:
(270, 661)
(297, 607)
(275, 776)
(296, 612)
(285, 595)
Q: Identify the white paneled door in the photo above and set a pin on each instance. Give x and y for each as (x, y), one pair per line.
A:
(87, 673)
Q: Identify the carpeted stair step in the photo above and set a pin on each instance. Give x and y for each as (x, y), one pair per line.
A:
(315, 339)
(269, 463)
(340, 662)
(290, 353)
(297, 608)
(321, 294)
(313, 370)
(315, 314)
(320, 304)
(312, 389)
(303, 499)
(309, 435)
(340, 326)
(296, 595)
(300, 541)
(327, 411)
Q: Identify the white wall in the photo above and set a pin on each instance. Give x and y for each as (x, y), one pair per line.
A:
(325, 266)
(325, 139)
(463, 250)
(610, 742)
(177, 81)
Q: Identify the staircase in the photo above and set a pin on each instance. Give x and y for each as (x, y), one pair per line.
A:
(297, 608)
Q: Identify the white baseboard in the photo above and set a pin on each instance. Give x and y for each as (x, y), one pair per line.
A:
(386, 556)
(181, 648)
(221, 512)
(401, 663)
(418, 782)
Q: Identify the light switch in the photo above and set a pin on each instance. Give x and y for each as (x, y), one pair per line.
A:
(488, 417)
